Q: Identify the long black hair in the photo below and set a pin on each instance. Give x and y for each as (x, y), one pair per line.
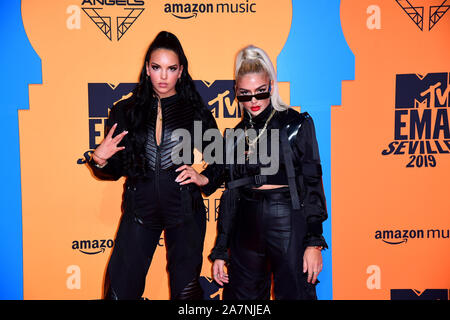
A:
(138, 107)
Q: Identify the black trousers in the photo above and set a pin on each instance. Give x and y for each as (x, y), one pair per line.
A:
(267, 241)
(138, 236)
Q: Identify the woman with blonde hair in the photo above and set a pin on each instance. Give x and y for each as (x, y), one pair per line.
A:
(270, 223)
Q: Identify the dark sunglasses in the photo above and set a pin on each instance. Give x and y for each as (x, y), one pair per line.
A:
(258, 96)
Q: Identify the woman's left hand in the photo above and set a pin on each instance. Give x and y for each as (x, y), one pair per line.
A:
(312, 263)
(189, 175)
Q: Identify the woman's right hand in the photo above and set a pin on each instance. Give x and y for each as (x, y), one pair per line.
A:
(108, 147)
(219, 273)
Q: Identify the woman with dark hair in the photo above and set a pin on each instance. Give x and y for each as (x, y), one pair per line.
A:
(159, 194)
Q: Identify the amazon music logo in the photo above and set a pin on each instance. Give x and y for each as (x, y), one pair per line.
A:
(92, 247)
(402, 236)
(186, 10)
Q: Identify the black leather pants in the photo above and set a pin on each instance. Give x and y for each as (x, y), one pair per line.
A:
(135, 244)
(268, 240)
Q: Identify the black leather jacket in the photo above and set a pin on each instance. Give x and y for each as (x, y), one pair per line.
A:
(306, 160)
(177, 114)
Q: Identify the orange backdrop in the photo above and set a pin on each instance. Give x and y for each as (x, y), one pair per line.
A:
(63, 204)
(372, 192)
(376, 201)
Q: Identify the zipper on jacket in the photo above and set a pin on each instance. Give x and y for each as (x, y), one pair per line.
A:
(158, 152)
(157, 168)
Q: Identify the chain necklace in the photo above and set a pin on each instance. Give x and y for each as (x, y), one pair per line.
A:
(252, 142)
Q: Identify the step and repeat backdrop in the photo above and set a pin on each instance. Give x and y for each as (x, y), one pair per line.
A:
(374, 75)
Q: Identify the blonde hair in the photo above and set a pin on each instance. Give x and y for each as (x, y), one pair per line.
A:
(252, 59)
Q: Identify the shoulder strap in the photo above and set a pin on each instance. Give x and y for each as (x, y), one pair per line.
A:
(290, 171)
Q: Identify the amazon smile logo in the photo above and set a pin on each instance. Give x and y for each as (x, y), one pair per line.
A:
(402, 236)
(92, 247)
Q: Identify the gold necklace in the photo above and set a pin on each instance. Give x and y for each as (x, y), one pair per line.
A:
(251, 143)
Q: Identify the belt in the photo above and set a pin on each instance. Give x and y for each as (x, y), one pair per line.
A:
(252, 180)
(270, 194)
(258, 180)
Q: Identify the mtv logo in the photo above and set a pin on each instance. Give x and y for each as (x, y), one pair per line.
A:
(219, 96)
(211, 289)
(413, 90)
(101, 98)
(412, 294)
